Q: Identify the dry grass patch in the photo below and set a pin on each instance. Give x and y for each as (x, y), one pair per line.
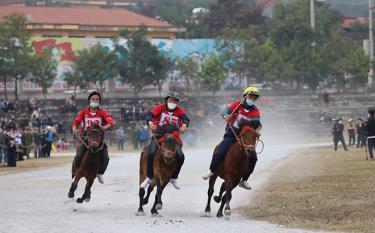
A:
(32, 164)
(320, 189)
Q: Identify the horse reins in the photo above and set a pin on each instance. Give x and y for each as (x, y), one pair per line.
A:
(78, 135)
(162, 148)
(240, 140)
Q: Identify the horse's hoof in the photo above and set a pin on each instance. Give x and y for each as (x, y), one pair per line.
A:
(87, 199)
(227, 212)
(70, 195)
(206, 214)
(158, 206)
(79, 200)
(156, 215)
(140, 213)
(217, 199)
(219, 214)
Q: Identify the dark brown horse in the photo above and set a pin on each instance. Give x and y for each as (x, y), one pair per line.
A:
(90, 162)
(164, 165)
(233, 168)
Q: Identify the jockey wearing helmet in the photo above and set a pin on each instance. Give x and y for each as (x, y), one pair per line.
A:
(167, 112)
(93, 114)
(233, 114)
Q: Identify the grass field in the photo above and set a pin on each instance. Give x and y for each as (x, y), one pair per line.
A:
(32, 164)
(320, 189)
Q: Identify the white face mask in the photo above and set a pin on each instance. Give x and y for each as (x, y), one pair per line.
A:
(94, 105)
(171, 106)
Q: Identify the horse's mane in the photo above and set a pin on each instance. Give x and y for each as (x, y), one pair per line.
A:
(254, 124)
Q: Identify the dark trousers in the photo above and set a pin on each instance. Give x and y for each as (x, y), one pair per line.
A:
(47, 149)
(371, 146)
(252, 162)
(360, 140)
(337, 139)
(120, 144)
(221, 149)
(351, 139)
(150, 159)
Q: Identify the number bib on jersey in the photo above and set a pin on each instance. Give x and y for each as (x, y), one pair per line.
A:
(168, 118)
(93, 120)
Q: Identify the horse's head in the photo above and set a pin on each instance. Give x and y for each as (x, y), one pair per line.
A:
(95, 136)
(248, 136)
(168, 144)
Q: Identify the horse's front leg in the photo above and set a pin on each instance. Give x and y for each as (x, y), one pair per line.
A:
(149, 191)
(157, 203)
(222, 189)
(87, 194)
(141, 194)
(229, 186)
(74, 185)
(210, 192)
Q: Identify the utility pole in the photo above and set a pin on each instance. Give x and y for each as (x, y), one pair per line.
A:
(312, 14)
(371, 43)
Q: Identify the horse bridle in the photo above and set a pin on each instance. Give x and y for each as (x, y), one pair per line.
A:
(80, 138)
(241, 142)
(163, 149)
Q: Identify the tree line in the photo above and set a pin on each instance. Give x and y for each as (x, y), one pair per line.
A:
(280, 49)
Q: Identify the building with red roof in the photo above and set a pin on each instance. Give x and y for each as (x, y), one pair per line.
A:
(79, 22)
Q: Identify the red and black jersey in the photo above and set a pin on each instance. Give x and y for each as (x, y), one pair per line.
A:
(241, 113)
(101, 117)
(160, 115)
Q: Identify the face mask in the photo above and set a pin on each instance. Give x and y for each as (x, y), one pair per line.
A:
(94, 105)
(250, 102)
(171, 106)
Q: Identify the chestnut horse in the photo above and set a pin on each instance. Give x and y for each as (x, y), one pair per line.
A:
(234, 167)
(90, 162)
(164, 165)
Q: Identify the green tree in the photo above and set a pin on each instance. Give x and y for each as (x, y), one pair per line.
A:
(15, 49)
(357, 64)
(189, 71)
(213, 73)
(141, 63)
(74, 77)
(268, 63)
(43, 71)
(95, 65)
(236, 50)
(231, 14)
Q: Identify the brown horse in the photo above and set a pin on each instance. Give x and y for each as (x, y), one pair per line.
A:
(164, 165)
(90, 162)
(233, 168)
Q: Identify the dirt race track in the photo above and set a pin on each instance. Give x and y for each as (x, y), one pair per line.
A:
(37, 201)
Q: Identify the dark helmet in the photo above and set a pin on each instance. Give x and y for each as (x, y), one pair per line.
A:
(95, 93)
(371, 110)
(172, 95)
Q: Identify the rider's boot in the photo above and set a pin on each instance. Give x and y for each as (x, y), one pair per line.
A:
(180, 161)
(207, 175)
(252, 161)
(104, 160)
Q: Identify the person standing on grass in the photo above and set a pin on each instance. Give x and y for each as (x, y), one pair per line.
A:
(338, 133)
(370, 132)
(351, 132)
